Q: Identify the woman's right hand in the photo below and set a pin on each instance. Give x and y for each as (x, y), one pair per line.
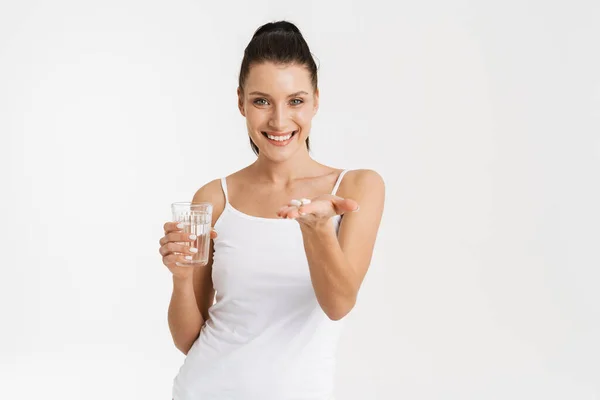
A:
(173, 252)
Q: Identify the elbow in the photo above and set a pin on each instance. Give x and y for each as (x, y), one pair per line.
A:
(340, 310)
(184, 348)
(185, 345)
(336, 316)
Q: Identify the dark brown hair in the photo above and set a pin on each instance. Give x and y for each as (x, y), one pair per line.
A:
(282, 43)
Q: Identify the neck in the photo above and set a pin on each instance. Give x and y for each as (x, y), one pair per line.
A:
(299, 165)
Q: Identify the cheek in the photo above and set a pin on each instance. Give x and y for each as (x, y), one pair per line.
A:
(304, 116)
(254, 117)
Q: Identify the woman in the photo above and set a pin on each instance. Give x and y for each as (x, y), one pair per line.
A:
(289, 251)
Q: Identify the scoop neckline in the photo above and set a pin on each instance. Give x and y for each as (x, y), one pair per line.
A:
(257, 218)
(254, 217)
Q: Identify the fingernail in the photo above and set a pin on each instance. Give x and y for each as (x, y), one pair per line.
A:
(188, 257)
(193, 237)
(357, 208)
(180, 226)
(193, 249)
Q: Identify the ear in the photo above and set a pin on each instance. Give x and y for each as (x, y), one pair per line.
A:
(240, 96)
(316, 101)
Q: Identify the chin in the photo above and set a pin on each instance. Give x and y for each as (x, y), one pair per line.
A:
(279, 155)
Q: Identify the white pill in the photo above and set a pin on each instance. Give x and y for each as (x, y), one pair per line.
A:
(296, 203)
(305, 201)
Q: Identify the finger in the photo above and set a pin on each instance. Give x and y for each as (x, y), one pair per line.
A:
(282, 211)
(287, 211)
(172, 247)
(182, 237)
(345, 205)
(171, 227)
(168, 248)
(177, 237)
(350, 205)
(295, 213)
(171, 259)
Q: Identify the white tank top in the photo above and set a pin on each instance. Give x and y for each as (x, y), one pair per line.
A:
(266, 338)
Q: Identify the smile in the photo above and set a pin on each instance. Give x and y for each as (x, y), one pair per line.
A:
(279, 138)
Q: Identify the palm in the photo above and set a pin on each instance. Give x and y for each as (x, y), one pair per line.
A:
(320, 208)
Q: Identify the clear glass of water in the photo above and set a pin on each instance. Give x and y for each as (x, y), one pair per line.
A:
(197, 220)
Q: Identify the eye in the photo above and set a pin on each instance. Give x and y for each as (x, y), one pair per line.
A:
(261, 102)
(296, 102)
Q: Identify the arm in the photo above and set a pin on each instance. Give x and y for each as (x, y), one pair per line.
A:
(191, 298)
(338, 264)
(185, 319)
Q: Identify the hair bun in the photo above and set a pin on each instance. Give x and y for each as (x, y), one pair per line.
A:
(279, 26)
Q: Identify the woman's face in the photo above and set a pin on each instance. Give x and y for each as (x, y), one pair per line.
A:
(279, 103)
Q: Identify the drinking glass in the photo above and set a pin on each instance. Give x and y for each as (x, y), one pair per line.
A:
(196, 219)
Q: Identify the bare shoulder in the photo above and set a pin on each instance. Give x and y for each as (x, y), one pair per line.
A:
(358, 182)
(212, 192)
(367, 188)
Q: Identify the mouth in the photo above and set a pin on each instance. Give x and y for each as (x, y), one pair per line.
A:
(278, 138)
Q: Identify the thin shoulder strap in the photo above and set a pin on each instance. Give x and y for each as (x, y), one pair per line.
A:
(224, 186)
(337, 183)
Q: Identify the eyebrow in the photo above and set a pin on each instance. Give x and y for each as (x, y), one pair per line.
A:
(266, 95)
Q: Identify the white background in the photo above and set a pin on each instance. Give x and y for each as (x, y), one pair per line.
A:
(482, 117)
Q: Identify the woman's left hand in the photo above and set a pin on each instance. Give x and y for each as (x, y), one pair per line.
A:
(318, 210)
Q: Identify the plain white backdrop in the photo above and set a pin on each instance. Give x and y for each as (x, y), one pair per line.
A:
(482, 117)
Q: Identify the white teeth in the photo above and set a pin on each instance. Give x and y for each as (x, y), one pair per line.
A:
(280, 138)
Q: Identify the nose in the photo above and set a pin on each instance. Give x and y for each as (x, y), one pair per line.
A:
(277, 118)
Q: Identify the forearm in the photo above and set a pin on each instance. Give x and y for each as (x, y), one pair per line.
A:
(333, 278)
(185, 320)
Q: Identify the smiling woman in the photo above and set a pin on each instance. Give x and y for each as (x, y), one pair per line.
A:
(290, 249)
(279, 45)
